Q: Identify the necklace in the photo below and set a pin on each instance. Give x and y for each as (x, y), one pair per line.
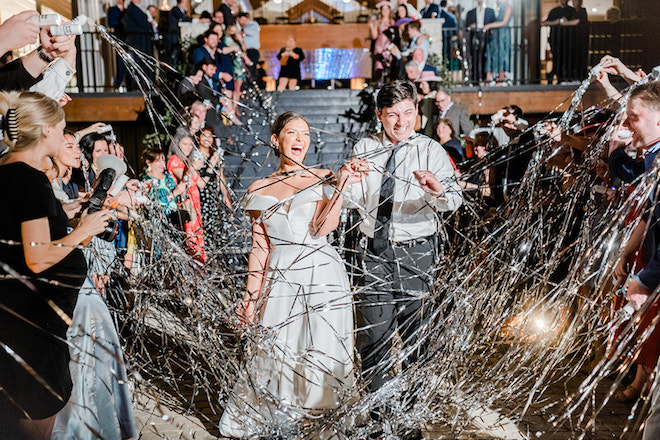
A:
(289, 173)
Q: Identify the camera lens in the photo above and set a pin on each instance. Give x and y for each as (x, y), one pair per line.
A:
(110, 231)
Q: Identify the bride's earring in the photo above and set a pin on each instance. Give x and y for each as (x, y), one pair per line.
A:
(148, 168)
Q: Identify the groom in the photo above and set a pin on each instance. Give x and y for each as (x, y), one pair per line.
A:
(410, 179)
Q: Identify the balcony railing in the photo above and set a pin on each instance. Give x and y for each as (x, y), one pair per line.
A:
(531, 55)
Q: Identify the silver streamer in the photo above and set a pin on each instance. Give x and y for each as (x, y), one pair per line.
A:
(520, 301)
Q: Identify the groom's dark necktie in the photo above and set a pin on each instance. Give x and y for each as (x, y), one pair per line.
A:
(385, 203)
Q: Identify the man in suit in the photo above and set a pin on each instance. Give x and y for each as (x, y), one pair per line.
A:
(475, 21)
(139, 34)
(446, 108)
(116, 27)
(430, 10)
(449, 30)
(643, 120)
(562, 21)
(220, 53)
(178, 14)
(207, 88)
(139, 31)
(208, 93)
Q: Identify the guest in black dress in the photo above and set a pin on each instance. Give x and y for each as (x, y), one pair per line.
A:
(40, 281)
(290, 58)
(213, 191)
(562, 20)
(581, 44)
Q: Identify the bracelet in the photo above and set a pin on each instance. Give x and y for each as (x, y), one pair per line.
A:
(43, 56)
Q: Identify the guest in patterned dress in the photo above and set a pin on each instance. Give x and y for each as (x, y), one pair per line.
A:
(213, 190)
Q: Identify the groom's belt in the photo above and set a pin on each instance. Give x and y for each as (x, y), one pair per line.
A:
(403, 244)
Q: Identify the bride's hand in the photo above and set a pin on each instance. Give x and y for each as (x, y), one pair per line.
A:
(246, 312)
(353, 171)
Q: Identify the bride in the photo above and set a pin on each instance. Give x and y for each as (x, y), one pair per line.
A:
(297, 289)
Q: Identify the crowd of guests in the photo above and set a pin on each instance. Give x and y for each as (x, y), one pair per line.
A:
(480, 38)
(230, 47)
(73, 218)
(490, 164)
(569, 42)
(54, 177)
(52, 308)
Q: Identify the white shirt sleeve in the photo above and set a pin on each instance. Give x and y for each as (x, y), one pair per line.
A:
(444, 172)
(55, 79)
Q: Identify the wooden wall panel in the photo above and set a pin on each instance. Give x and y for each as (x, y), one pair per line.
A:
(62, 7)
(94, 108)
(314, 36)
(536, 100)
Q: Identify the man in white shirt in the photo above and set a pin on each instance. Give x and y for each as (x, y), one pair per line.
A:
(410, 179)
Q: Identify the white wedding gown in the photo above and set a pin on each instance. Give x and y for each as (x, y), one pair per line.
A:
(306, 362)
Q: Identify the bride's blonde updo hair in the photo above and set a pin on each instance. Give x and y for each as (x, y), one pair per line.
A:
(24, 115)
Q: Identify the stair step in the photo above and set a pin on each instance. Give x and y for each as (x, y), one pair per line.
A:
(338, 103)
(315, 93)
(252, 158)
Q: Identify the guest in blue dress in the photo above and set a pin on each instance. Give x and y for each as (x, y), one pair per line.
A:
(498, 51)
(100, 405)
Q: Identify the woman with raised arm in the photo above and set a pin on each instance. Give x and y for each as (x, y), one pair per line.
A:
(297, 289)
(162, 187)
(43, 269)
(100, 403)
(377, 30)
(290, 58)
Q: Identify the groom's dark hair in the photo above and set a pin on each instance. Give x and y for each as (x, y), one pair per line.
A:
(395, 92)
